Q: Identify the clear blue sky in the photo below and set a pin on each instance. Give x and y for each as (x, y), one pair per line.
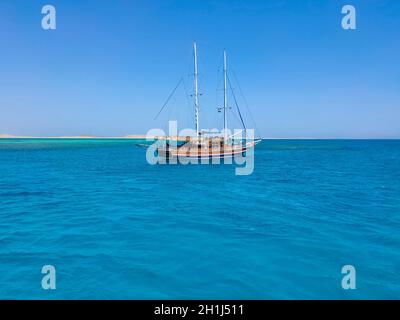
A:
(109, 66)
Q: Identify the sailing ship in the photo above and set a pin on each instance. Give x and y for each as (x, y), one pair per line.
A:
(203, 145)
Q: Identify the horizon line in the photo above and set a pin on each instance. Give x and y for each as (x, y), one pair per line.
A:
(139, 136)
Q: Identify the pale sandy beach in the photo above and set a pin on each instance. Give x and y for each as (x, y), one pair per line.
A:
(9, 136)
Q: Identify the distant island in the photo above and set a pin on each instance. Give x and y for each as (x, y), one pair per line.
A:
(10, 136)
(7, 136)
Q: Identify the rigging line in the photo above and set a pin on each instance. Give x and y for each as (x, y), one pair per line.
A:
(189, 116)
(246, 104)
(169, 98)
(186, 92)
(236, 117)
(237, 106)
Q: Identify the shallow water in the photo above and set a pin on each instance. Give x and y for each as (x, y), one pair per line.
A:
(116, 227)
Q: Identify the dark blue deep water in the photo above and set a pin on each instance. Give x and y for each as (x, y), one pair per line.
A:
(115, 227)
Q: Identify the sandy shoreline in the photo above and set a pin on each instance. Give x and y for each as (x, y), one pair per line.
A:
(137, 137)
(128, 137)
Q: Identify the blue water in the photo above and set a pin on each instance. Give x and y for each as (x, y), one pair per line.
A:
(115, 227)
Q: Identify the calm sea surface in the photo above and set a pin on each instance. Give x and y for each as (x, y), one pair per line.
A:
(115, 227)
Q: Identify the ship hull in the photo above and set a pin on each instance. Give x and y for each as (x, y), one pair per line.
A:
(201, 153)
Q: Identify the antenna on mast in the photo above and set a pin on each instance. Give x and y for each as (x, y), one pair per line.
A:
(196, 91)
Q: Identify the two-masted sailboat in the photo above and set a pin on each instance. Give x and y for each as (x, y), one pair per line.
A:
(202, 145)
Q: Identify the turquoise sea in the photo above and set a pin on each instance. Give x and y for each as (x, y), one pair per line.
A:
(116, 227)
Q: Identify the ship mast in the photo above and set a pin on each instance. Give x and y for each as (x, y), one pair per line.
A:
(196, 91)
(225, 101)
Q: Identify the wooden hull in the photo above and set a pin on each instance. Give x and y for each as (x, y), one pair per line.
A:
(205, 153)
